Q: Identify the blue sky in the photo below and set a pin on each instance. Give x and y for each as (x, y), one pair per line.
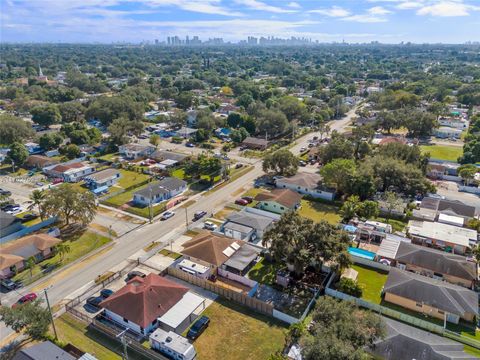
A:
(388, 21)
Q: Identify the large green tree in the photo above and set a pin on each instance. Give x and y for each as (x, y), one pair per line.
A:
(14, 129)
(17, 154)
(47, 115)
(31, 318)
(281, 162)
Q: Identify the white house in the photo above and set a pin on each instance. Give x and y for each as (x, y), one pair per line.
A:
(445, 132)
(159, 191)
(306, 184)
(172, 345)
(102, 180)
(135, 151)
(73, 171)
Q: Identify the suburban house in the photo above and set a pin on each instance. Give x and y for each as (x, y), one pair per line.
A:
(173, 345)
(162, 155)
(453, 122)
(306, 184)
(443, 170)
(445, 132)
(407, 342)
(44, 351)
(73, 171)
(33, 148)
(431, 209)
(9, 224)
(429, 296)
(159, 191)
(135, 151)
(442, 236)
(145, 304)
(249, 224)
(186, 132)
(429, 262)
(14, 254)
(102, 180)
(372, 231)
(278, 200)
(221, 255)
(39, 162)
(255, 143)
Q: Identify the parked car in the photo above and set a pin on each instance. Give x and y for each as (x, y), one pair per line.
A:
(57, 181)
(238, 165)
(209, 225)
(302, 163)
(198, 327)
(249, 199)
(25, 299)
(28, 217)
(5, 192)
(241, 202)
(167, 215)
(135, 273)
(94, 301)
(8, 207)
(303, 149)
(13, 209)
(199, 215)
(9, 284)
(189, 145)
(105, 293)
(311, 145)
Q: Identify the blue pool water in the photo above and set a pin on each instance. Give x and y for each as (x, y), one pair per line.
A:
(361, 253)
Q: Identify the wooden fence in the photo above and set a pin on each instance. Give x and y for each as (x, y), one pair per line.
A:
(229, 294)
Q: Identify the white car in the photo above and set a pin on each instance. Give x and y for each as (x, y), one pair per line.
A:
(167, 215)
(209, 225)
(303, 149)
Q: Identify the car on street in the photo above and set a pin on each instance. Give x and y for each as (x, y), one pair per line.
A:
(303, 149)
(249, 199)
(302, 163)
(57, 181)
(242, 202)
(105, 293)
(135, 273)
(25, 299)
(198, 327)
(311, 145)
(209, 225)
(13, 209)
(238, 165)
(9, 284)
(5, 192)
(167, 215)
(7, 207)
(189, 145)
(95, 301)
(199, 215)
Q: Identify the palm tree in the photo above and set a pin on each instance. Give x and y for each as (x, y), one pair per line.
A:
(29, 264)
(37, 197)
(62, 249)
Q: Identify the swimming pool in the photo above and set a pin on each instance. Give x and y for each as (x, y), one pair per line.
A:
(361, 253)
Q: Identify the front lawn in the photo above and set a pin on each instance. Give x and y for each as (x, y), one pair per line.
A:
(130, 178)
(235, 332)
(80, 244)
(371, 280)
(443, 152)
(316, 211)
(170, 254)
(265, 272)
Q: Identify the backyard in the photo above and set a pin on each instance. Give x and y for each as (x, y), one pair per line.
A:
(316, 211)
(443, 152)
(238, 333)
(371, 281)
(130, 178)
(80, 244)
(265, 272)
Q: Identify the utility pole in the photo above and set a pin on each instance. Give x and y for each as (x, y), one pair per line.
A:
(50, 311)
(150, 210)
(186, 217)
(124, 343)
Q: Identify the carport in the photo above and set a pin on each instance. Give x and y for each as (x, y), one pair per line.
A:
(182, 314)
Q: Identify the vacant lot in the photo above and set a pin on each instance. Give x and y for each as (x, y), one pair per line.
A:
(238, 333)
(319, 211)
(443, 152)
(372, 281)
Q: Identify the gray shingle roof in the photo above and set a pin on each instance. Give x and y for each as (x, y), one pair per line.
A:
(257, 222)
(437, 261)
(305, 180)
(450, 207)
(43, 351)
(161, 187)
(439, 294)
(406, 342)
(242, 257)
(161, 155)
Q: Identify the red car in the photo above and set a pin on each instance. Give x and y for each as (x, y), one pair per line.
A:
(57, 181)
(241, 202)
(25, 299)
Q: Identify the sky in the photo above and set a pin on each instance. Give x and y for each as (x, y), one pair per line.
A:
(106, 21)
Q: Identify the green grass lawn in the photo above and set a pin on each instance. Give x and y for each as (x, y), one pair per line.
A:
(397, 225)
(130, 178)
(80, 244)
(264, 272)
(317, 211)
(443, 152)
(170, 254)
(178, 173)
(237, 333)
(109, 157)
(372, 281)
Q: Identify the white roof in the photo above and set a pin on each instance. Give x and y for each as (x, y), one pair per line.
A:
(193, 266)
(443, 232)
(169, 162)
(450, 219)
(173, 341)
(388, 248)
(181, 310)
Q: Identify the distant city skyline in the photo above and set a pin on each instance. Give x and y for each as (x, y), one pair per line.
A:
(134, 21)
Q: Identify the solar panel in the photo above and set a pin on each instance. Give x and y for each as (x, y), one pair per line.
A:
(235, 246)
(228, 251)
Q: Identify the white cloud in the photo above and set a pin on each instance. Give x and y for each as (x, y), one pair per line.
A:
(294, 5)
(365, 18)
(407, 5)
(334, 11)
(378, 10)
(447, 9)
(261, 6)
(203, 6)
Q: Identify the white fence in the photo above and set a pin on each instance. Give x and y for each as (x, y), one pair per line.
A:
(284, 317)
(370, 263)
(238, 278)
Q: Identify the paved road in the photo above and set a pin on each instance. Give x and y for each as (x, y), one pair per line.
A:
(449, 189)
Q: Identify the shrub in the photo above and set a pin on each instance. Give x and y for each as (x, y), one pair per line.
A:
(349, 287)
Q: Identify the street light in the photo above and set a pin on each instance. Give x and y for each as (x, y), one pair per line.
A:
(50, 311)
